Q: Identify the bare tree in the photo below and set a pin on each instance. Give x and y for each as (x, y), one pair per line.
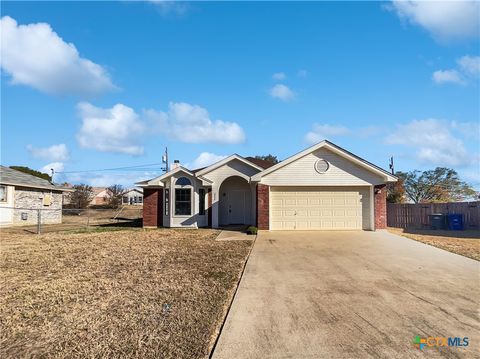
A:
(115, 192)
(82, 195)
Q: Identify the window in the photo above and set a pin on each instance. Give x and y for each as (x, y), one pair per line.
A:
(183, 203)
(140, 199)
(167, 200)
(201, 201)
(183, 181)
(3, 193)
(125, 200)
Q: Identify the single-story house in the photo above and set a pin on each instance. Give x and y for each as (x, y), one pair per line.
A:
(22, 195)
(101, 195)
(324, 187)
(133, 196)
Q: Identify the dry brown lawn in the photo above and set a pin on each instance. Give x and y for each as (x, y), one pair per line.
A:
(122, 294)
(465, 243)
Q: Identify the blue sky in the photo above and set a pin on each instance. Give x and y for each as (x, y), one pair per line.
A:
(98, 85)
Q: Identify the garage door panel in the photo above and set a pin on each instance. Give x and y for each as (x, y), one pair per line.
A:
(320, 208)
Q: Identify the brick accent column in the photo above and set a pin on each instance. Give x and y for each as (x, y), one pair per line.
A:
(263, 207)
(380, 195)
(152, 207)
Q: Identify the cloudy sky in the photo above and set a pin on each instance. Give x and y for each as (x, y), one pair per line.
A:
(91, 86)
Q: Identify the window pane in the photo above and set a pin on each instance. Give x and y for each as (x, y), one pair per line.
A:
(201, 202)
(183, 181)
(183, 204)
(3, 193)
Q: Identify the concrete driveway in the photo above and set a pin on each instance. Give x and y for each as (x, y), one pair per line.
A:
(350, 295)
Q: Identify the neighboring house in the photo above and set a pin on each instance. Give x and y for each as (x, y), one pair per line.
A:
(133, 196)
(321, 188)
(21, 195)
(101, 195)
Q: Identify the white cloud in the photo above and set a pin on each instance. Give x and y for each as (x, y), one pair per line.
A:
(302, 73)
(34, 55)
(468, 69)
(192, 124)
(282, 92)
(470, 65)
(171, 7)
(126, 179)
(433, 141)
(116, 129)
(279, 76)
(205, 159)
(466, 129)
(447, 76)
(444, 20)
(53, 153)
(321, 132)
(57, 167)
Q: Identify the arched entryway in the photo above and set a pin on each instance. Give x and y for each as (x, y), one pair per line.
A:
(235, 201)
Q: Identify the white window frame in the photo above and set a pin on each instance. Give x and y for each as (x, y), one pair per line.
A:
(174, 195)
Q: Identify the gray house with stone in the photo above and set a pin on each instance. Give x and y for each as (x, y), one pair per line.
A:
(23, 195)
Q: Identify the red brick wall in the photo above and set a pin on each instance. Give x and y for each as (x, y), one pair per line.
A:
(152, 207)
(262, 207)
(380, 193)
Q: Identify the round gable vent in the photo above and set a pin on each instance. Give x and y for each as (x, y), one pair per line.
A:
(321, 166)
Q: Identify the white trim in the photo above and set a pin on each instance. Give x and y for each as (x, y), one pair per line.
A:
(269, 208)
(325, 144)
(372, 208)
(225, 161)
(164, 176)
(192, 192)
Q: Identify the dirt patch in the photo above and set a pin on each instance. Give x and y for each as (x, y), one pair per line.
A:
(465, 243)
(121, 294)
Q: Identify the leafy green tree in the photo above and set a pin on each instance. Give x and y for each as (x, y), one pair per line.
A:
(269, 158)
(28, 170)
(438, 185)
(82, 196)
(116, 192)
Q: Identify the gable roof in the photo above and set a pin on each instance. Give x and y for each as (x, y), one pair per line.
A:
(225, 161)
(164, 176)
(335, 149)
(12, 177)
(259, 162)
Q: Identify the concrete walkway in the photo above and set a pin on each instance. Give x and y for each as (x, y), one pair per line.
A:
(350, 295)
(235, 233)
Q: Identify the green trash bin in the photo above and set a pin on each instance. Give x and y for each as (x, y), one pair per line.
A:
(438, 221)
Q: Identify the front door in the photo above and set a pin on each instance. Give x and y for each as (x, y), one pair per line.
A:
(236, 207)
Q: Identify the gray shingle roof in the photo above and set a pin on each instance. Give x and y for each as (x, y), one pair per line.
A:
(16, 178)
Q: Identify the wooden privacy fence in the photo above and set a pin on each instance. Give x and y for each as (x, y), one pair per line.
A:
(415, 215)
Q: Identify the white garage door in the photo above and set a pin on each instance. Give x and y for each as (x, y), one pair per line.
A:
(305, 208)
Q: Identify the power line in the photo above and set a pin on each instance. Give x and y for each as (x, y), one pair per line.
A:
(128, 168)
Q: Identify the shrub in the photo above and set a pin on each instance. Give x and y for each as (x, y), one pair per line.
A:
(252, 230)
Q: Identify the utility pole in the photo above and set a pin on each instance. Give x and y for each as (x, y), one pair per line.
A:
(392, 169)
(165, 159)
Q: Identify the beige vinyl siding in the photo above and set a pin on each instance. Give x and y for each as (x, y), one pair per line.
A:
(328, 208)
(232, 168)
(218, 175)
(341, 172)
